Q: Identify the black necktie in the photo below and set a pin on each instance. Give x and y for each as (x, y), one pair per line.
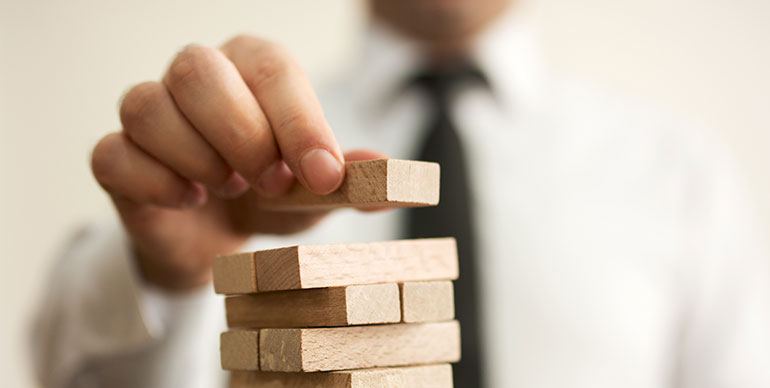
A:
(452, 217)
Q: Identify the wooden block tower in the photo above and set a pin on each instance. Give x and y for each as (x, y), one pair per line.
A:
(361, 315)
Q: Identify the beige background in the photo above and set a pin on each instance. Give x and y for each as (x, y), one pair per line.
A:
(64, 65)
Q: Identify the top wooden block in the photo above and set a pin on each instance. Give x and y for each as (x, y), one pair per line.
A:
(369, 184)
(331, 265)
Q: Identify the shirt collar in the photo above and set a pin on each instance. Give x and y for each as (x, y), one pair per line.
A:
(506, 52)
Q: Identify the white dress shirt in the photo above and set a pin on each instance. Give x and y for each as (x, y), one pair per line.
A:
(617, 247)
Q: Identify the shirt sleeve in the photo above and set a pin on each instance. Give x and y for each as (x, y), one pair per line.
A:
(726, 326)
(100, 324)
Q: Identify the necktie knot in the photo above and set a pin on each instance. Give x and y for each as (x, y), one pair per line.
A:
(439, 82)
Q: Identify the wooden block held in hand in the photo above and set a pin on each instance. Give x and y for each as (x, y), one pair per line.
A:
(368, 184)
(356, 347)
(239, 350)
(330, 265)
(426, 376)
(336, 306)
(427, 301)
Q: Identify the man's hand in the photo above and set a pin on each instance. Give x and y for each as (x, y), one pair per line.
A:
(224, 127)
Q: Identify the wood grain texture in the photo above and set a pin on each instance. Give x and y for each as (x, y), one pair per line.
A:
(235, 274)
(331, 265)
(239, 350)
(427, 301)
(356, 347)
(311, 266)
(427, 376)
(369, 183)
(335, 306)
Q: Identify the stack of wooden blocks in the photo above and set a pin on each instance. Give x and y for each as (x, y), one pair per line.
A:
(360, 315)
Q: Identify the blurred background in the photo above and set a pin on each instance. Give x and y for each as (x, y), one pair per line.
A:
(65, 64)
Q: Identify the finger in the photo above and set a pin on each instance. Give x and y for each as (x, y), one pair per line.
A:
(210, 92)
(304, 138)
(246, 216)
(125, 171)
(152, 121)
(364, 154)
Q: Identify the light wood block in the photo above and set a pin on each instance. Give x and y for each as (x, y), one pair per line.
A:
(335, 306)
(356, 347)
(331, 265)
(427, 301)
(235, 274)
(367, 184)
(239, 350)
(427, 376)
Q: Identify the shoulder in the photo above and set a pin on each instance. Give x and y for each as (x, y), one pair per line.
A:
(635, 133)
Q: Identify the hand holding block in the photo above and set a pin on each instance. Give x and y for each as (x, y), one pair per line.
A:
(330, 265)
(369, 184)
(427, 376)
(335, 306)
(356, 347)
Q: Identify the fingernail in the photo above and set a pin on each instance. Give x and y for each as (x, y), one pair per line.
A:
(235, 186)
(276, 179)
(194, 196)
(321, 170)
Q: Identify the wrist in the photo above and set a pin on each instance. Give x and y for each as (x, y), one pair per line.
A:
(165, 275)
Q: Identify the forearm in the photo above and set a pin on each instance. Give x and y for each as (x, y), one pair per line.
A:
(100, 320)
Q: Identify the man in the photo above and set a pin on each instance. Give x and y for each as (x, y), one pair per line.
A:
(610, 246)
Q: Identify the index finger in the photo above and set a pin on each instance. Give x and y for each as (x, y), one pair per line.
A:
(305, 140)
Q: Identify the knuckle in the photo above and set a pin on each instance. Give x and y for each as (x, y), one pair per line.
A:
(191, 65)
(140, 104)
(296, 123)
(265, 59)
(241, 41)
(256, 149)
(272, 61)
(301, 128)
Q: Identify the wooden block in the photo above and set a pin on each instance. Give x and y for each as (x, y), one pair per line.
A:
(239, 350)
(336, 306)
(235, 274)
(427, 301)
(356, 347)
(317, 266)
(369, 183)
(427, 376)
